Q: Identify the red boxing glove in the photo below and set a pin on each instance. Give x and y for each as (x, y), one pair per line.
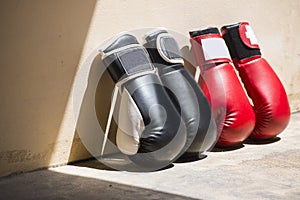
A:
(231, 108)
(262, 84)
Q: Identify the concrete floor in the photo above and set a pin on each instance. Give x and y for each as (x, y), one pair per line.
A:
(254, 171)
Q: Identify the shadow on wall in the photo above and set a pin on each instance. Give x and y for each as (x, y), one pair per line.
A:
(93, 114)
(41, 44)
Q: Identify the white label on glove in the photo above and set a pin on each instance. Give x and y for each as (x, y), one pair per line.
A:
(214, 48)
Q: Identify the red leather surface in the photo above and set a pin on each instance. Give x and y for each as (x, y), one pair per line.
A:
(231, 108)
(269, 98)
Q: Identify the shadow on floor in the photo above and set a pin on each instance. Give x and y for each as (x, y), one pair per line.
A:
(190, 158)
(231, 148)
(96, 164)
(92, 163)
(266, 141)
(49, 185)
(247, 141)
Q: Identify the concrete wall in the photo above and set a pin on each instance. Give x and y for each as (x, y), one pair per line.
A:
(47, 63)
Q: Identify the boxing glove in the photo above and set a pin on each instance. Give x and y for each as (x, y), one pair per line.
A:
(150, 130)
(261, 82)
(184, 91)
(231, 108)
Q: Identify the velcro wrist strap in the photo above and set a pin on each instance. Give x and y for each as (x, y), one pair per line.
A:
(163, 49)
(168, 48)
(241, 41)
(128, 61)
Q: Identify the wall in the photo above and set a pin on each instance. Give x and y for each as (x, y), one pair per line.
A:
(275, 22)
(48, 67)
(41, 44)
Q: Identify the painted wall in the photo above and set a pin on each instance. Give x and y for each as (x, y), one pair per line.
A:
(41, 44)
(50, 67)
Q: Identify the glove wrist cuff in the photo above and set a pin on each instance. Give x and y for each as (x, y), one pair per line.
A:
(241, 41)
(209, 47)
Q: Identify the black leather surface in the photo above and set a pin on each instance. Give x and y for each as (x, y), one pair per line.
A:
(123, 40)
(164, 135)
(162, 125)
(195, 109)
(152, 36)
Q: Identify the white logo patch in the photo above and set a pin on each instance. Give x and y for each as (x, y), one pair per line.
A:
(250, 35)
